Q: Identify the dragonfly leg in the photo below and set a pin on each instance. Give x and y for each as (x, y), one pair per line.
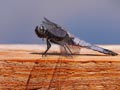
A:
(48, 47)
(66, 50)
(69, 49)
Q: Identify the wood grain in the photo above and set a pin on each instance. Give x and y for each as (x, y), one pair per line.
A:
(23, 68)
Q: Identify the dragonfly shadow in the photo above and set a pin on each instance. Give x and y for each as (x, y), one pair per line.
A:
(91, 55)
(67, 54)
(46, 54)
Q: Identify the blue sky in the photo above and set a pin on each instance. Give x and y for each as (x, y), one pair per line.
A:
(96, 21)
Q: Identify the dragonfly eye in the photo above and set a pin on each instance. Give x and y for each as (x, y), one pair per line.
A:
(42, 27)
(41, 30)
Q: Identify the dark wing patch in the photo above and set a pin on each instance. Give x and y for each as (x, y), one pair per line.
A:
(53, 28)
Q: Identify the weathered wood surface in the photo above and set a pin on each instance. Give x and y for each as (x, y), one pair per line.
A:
(23, 68)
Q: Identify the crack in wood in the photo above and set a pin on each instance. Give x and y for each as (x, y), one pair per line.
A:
(29, 77)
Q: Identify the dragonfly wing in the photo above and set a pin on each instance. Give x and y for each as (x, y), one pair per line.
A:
(53, 28)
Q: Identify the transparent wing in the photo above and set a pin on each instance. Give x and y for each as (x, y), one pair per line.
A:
(53, 28)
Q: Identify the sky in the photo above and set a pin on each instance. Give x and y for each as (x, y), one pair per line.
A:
(95, 21)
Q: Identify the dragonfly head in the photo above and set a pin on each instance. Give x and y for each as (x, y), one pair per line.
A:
(40, 31)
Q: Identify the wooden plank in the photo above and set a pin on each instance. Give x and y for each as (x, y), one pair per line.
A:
(23, 68)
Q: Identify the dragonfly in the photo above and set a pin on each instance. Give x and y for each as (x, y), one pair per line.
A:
(53, 33)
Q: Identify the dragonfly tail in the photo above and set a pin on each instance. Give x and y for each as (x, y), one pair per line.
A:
(102, 50)
(85, 44)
